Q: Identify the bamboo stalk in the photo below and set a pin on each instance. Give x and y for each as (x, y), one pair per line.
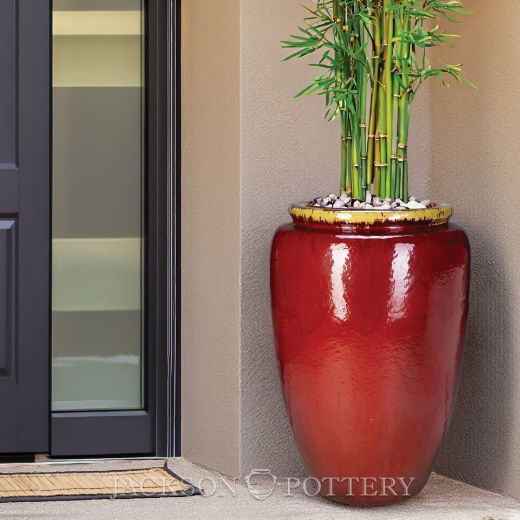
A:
(397, 93)
(339, 77)
(357, 40)
(356, 185)
(373, 123)
(383, 139)
(373, 41)
(404, 116)
(363, 119)
(345, 181)
(372, 128)
(389, 64)
(395, 109)
(350, 177)
(377, 168)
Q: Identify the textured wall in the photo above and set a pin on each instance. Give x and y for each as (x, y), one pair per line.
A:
(210, 233)
(288, 152)
(476, 144)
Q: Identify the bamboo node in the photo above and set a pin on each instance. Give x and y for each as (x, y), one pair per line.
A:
(402, 146)
(362, 125)
(346, 138)
(371, 136)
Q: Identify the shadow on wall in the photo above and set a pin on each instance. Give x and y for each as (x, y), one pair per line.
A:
(476, 449)
(475, 154)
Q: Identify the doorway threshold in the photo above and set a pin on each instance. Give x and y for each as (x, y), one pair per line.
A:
(45, 459)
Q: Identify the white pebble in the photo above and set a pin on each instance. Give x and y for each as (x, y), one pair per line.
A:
(413, 204)
(371, 202)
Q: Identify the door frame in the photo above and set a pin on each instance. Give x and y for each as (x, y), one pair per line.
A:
(156, 429)
(173, 234)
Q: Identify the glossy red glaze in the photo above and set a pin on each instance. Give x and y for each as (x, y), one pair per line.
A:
(370, 330)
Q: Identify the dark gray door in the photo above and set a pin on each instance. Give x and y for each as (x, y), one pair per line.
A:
(24, 225)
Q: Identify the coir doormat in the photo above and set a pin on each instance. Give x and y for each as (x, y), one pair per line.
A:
(154, 482)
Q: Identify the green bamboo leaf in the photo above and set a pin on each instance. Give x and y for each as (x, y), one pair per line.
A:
(373, 59)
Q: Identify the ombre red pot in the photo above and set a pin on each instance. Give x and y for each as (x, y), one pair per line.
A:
(370, 312)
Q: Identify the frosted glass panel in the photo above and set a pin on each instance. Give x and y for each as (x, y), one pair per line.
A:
(97, 246)
(97, 274)
(102, 61)
(107, 23)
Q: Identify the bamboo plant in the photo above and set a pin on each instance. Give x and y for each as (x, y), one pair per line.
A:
(373, 58)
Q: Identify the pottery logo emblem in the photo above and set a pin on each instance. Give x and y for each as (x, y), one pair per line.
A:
(261, 483)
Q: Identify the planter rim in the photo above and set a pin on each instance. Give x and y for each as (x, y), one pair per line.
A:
(302, 213)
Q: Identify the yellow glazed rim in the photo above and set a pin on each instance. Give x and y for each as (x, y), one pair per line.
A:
(429, 216)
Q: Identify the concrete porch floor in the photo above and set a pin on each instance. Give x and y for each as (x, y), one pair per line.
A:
(442, 499)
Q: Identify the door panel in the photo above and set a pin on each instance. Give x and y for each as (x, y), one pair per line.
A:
(102, 433)
(98, 278)
(24, 225)
(7, 296)
(111, 230)
(98, 176)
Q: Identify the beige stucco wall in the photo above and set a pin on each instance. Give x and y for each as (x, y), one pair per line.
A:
(288, 153)
(476, 144)
(249, 149)
(210, 238)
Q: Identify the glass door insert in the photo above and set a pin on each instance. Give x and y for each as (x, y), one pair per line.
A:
(98, 205)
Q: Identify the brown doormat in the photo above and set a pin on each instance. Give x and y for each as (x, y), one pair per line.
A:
(152, 482)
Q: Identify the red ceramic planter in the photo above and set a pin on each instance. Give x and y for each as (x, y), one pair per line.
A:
(369, 312)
